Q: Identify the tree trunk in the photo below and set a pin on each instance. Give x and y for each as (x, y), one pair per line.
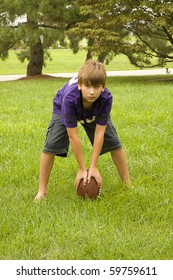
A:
(101, 57)
(89, 53)
(35, 64)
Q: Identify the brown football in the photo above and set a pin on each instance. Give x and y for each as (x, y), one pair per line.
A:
(90, 190)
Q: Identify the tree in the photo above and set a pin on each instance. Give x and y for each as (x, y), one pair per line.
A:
(45, 22)
(140, 29)
(104, 27)
(152, 24)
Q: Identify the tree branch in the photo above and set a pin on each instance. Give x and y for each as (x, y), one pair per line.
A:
(168, 34)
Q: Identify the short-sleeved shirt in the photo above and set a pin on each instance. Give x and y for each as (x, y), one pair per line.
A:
(69, 106)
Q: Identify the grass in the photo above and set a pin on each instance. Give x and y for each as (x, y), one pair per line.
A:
(63, 60)
(135, 224)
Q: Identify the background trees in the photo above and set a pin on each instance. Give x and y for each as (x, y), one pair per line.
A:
(140, 29)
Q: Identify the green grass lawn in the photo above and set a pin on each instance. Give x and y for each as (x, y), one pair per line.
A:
(63, 60)
(121, 224)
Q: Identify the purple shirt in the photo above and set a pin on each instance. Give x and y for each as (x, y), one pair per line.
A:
(68, 104)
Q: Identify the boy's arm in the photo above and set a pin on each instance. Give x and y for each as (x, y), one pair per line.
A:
(77, 150)
(97, 146)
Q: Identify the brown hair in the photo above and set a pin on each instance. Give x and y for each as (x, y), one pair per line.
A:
(92, 72)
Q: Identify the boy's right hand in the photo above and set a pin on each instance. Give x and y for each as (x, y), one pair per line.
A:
(82, 174)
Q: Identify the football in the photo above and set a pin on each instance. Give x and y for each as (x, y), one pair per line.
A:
(90, 190)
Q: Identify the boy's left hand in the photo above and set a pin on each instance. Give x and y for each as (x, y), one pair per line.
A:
(94, 172)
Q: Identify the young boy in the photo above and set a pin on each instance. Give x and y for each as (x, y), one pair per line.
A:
(84, 100)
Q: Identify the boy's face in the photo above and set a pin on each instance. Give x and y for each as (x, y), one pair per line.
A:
(90, 93)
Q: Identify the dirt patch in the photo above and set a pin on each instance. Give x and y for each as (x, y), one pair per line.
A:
(38, 77)
(164, 80)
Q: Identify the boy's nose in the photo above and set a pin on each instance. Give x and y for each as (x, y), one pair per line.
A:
(91, 91)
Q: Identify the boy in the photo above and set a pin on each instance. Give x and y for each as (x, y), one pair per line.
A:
(84, 100)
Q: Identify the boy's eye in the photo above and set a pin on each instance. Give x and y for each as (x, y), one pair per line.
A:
(86, 85)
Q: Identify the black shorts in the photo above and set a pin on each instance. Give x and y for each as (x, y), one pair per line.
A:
(57, 141)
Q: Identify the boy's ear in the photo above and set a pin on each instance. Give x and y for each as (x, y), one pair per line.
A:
(79, 86)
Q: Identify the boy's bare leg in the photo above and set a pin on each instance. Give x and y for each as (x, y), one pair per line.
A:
(119, 159)
(46, 164)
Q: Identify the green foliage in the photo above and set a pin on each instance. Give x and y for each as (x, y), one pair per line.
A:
(7, 40)
(110, 24)
(122, 224)
(23, 54)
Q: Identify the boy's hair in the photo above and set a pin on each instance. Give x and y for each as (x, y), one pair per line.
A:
(93, 73)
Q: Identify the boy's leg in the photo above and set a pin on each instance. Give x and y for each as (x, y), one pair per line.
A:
(119, 159)
(113, 145)
(56, 143)
(46, 164)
